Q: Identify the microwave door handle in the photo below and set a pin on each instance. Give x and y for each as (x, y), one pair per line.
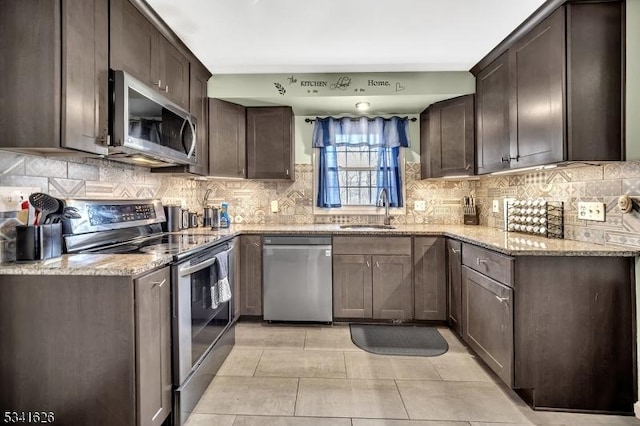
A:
(195, 268)
(194, 139)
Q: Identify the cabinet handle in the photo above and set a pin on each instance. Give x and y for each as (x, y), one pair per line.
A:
(502, 299)
(456, 251)
(377, 264)
(242, 172)
(287, 171)
(480, 261)
(256, 244)
(166, 88)
(158, 283)
(158, 83)
(468, 167)
(505, 159)
(368, 264)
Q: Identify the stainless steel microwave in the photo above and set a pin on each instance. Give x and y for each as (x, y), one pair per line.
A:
(146, 128)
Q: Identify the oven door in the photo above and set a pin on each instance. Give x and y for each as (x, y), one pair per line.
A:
(197, 324)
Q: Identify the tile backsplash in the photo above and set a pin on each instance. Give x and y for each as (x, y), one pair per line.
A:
(250, 200)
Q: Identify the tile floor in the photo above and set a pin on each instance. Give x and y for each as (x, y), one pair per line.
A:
(288, 375)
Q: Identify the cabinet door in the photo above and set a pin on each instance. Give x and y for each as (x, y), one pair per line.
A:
(133, 40)
(451, 141)
(270, 143)
(227, 127)
(425, 154)
(85, 34)
(492, 116)
(430, 280)
(199, 107)
(487, 310)
(537, 93)
(454, 267)
(392, 292)
(153, 347)
(251, 275)
(173, 72)
(352, 286)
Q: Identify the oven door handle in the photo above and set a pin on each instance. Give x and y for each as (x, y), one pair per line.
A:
(195, 268)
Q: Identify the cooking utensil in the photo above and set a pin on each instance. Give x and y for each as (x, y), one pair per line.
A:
(71, 213)
(46, 204)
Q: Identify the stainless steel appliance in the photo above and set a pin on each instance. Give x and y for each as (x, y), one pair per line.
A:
(147, 128)
(297, 278)
(202, 336)
(197, 327)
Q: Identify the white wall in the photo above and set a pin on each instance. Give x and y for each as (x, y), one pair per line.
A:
(304, 133)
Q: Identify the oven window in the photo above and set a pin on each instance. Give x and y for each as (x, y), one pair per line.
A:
(207, 323)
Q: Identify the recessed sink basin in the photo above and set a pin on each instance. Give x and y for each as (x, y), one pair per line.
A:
(367, 226)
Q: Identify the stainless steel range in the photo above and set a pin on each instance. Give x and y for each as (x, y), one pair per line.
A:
(202, 335)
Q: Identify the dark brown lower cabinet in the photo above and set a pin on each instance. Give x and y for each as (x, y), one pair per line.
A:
(392, 295)
(372, 277)
(352, 286)
(251, 275)
(430, 279)
(153, 347)
(487, 312)
(454, 274)
(94, 350)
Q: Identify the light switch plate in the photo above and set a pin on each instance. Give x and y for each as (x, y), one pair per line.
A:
(420, 205)
(496, 206)
(591, 211)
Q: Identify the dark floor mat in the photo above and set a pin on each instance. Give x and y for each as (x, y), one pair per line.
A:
(399, 339)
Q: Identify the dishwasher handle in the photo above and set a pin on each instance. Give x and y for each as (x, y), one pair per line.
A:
(295, 247)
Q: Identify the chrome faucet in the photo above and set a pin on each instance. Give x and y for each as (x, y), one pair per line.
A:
(384, 197)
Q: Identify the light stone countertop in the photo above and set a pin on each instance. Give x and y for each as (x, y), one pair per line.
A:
(514, 244)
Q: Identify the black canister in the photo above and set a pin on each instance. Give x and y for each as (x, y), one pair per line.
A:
(193, 220)
(173, 215)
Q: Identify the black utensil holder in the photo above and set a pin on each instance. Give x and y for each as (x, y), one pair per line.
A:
(38, 242)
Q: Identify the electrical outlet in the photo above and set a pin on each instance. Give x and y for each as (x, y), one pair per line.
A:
(496, 206)
(12, 196)
(591, 211)
(274, 206)
(420, 205)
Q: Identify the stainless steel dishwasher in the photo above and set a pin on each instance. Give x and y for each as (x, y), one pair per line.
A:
(297, 278)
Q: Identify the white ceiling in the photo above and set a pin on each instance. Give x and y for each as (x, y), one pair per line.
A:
(301, 36)
(341, 36)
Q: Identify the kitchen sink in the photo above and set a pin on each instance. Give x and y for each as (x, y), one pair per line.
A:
(367, 226)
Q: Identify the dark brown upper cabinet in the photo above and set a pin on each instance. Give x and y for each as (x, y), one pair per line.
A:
(565, 79)
(270, 150)
(54, 67)
(447, 138)
(140, 49)
(492, 117)
(199, 107)
(227, 139)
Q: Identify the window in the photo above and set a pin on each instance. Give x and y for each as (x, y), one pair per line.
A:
(357, 158)
(357, 168)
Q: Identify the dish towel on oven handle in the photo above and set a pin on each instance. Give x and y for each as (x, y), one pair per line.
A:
(221, 289)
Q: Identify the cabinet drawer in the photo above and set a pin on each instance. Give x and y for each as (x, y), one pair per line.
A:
(492, 264)
(372, 245)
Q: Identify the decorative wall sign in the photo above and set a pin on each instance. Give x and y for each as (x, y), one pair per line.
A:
(280, 88)
(342, 83)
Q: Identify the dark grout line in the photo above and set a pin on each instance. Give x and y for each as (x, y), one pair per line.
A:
(295, 404)
(395, 382)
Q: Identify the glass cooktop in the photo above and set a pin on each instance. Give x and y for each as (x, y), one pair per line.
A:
(168, 243)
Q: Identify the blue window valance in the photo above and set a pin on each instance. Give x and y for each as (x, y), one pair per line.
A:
(377, 131)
